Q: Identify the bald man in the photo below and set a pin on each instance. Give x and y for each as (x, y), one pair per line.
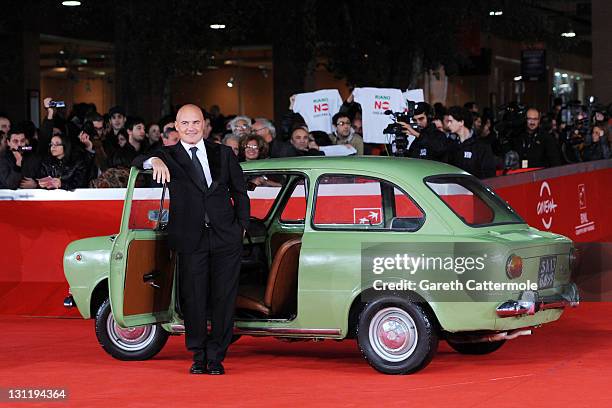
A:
(206, 230)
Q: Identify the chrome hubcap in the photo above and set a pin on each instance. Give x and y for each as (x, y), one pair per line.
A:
(130, 339)
(393, 334)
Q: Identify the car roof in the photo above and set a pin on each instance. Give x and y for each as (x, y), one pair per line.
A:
(392, 166)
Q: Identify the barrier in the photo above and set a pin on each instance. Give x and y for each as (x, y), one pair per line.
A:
(36, 225)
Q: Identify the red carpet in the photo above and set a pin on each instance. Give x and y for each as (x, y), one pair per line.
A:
(566, 363)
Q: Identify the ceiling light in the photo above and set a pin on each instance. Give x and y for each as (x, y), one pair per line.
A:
(569, 34)
(518, 78)
(217, 26)
(496, 13)
(230, 83)
(71, 3)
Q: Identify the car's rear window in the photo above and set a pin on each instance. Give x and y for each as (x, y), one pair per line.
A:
(475, 204)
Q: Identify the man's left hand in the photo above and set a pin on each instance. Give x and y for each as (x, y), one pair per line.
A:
(407, 129)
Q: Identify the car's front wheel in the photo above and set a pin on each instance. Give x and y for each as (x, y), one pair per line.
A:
(476, 348)
(396, 336)
(136, 343)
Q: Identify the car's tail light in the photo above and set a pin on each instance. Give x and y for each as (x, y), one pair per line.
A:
(514, 266)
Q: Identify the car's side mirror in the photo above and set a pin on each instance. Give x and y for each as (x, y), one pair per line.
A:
(406, 223)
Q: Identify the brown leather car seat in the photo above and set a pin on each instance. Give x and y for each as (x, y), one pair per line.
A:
(279, 297)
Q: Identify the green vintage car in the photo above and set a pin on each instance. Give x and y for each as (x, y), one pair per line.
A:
(395, 253)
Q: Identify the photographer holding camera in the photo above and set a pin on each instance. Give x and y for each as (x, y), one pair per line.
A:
(429, 143)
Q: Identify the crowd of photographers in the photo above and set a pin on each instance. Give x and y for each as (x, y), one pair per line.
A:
(88, 149)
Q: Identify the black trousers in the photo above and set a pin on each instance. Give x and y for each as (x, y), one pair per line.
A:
(208, 278)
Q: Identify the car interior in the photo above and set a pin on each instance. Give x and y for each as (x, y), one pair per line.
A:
(269, 272)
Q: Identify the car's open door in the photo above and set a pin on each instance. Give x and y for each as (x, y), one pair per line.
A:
(142, 266)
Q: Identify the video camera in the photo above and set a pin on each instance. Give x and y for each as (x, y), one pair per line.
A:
(401, 139)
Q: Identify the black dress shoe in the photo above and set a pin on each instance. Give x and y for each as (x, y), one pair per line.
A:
(197, 368)
(215, 368)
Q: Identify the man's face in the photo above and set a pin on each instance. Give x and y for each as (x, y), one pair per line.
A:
(445, 123)
(533, 119)
(299, 139)
(190, 124)
(233, 143)
(343, 126)
(137, 132)
(117, 121)
(173, 138)
(17, 140)
(99, 126)
(5, 125)
(242, 128)
(261, 130)
(453, 124)
(421, 120)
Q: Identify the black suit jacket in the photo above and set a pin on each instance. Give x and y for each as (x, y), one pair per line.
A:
(225, 201)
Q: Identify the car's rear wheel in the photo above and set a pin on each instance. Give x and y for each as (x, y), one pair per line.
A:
(136, 343)
(476, 348)
(396, 336)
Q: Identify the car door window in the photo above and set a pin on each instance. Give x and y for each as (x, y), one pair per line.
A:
(364, 203)
(263, 190)
(294, 211)
(471, 201)
(144, 211)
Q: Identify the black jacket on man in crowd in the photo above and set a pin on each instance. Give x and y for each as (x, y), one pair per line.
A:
(431, 144)
(11, 174)
(473, 156)
(539, 148)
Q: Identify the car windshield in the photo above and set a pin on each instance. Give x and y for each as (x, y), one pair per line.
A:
(474, 203)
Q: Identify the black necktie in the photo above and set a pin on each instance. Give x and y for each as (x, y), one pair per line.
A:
(200, 171)
(198, 166)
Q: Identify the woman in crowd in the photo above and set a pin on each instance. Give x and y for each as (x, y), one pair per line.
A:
(153, 137)
(61, 168)
(252, 147)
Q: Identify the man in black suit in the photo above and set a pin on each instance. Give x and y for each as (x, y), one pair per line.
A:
(206, 230)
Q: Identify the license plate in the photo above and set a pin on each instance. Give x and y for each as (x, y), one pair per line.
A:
(546, 272)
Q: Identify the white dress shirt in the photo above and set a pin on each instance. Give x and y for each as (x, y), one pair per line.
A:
(201, 154)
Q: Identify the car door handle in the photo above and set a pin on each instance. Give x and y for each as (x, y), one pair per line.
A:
(150, 278)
